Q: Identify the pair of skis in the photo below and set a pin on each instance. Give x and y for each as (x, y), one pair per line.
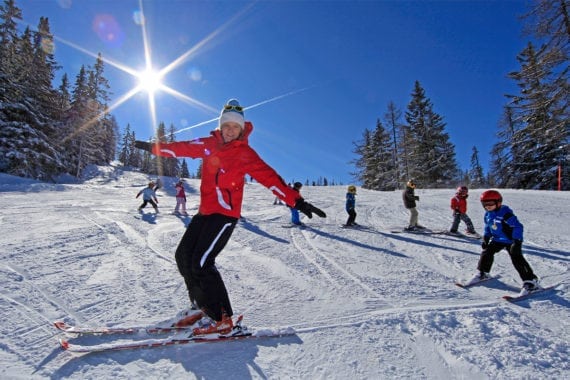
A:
(181, 336)
(507, 297)
(427, 231)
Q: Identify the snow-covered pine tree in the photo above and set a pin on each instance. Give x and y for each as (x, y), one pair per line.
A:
(383, 159)
(364, 170)
(475, 174)
(542, 139)
(172, 165)
(429, 153)
(184, 172)
(27, 115)
(392, 117)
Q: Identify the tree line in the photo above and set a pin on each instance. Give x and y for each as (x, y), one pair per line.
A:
(532, 150)
(46, 131)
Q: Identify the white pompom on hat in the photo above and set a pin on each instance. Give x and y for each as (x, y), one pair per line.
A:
(232, 111)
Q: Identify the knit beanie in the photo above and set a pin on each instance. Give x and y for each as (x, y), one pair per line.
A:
(232, 111)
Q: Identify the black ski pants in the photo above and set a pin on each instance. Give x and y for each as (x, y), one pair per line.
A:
(196, 254)
(351, 217)
(517, 258)
(146, 201)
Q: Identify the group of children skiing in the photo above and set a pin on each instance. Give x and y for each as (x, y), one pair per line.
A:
(502, 230)
(149, 196)
(226, 159)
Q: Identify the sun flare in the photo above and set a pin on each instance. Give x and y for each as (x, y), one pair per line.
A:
(149, 80)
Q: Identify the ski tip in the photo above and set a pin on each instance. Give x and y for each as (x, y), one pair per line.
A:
(60, 325)
(64, 344)
(460, 284)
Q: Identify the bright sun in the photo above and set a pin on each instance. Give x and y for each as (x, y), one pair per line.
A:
(149, 80)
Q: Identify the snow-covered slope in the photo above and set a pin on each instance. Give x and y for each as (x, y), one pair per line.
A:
(366, 304)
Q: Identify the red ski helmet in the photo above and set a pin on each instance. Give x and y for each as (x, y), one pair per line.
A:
(491, 196)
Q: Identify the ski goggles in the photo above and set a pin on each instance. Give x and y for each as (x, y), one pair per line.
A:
(489, 203)
(229, 107)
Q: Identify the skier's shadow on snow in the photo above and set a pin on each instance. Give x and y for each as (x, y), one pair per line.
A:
(255, 229)
(148, 217)
(549, 254)
(232, 360)
(352, 241)
(410, 239)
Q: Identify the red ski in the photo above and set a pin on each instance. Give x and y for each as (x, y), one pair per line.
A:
(529, 295)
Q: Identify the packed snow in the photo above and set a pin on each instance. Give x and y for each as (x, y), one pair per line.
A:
(364, 303)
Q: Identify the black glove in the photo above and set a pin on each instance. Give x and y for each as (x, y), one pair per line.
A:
(417, 198)
(516, 247)
(143, 145)
(308, 209)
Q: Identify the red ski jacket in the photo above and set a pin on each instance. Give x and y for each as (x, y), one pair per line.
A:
(459, 204)
(224, 167)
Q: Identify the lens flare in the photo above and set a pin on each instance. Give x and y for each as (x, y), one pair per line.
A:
(108, 30)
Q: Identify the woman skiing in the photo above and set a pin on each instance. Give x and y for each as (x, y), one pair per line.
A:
(226, 159)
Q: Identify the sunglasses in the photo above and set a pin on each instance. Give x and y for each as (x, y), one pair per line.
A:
(229, 107)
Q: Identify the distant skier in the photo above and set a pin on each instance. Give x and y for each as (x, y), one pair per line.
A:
(350, 205)
(459, 207)
(410, 203)
(503, 231)
(295, 218)
(148, 197)
(180, 199)
(226, 159)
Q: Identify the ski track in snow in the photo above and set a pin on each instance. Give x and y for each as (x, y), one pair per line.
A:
(365, 303)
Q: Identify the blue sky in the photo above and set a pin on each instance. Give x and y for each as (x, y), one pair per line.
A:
(317, 73)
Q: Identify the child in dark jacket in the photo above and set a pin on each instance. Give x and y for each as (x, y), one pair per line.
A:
(410, 199)
(459, 207)
(350, 205)
(503, 231)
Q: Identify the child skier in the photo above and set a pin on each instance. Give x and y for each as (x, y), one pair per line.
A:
(180, 199)
(459, 207)
(295, 219)
(148, 197)
(503, 231)
(226, 159)
(350, 204)
(410, 203)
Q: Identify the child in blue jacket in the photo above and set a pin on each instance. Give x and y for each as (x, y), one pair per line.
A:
(503, 231)
(295, 218)
(350, 205)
